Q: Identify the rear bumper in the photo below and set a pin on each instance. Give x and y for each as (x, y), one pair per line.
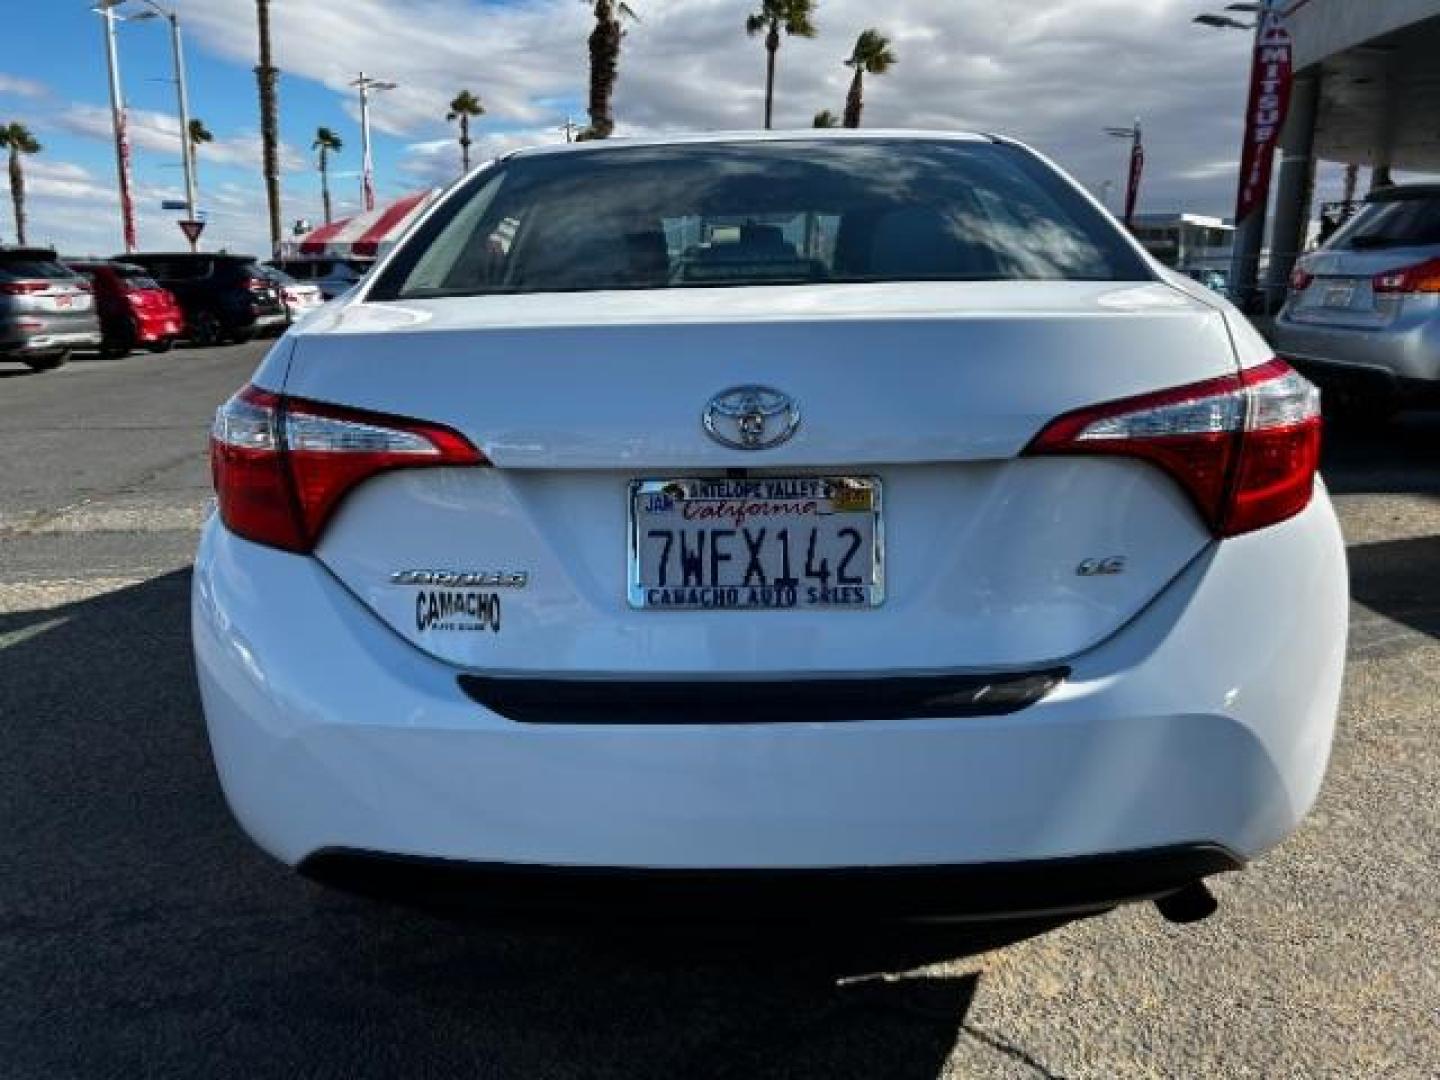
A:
(1365, 380)
(978, 892)
(158, 329)
(51, 342)
(1402, 360)
(1207, 720)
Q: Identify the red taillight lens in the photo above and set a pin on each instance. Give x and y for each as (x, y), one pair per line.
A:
(1245, 448)
(23, 288)
(281, 465)
(1421, 278)
(1300, 278)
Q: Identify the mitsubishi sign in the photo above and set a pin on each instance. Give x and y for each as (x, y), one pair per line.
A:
(1265, 115)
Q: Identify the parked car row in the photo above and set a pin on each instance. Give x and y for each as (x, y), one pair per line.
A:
(224, 297)
(51, 306)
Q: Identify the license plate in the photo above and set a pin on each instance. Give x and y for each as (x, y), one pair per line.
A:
(64, 302)
(1339, 296)
(763, 543)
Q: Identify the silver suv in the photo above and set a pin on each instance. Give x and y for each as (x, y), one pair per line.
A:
(1363, 315)
(46, 310)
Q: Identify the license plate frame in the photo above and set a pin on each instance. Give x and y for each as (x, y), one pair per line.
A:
(866, 493)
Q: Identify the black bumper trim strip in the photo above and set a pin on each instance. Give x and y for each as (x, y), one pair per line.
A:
(978, 891)
(848, 700)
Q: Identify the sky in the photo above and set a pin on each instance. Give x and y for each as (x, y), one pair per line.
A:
(1054, 73)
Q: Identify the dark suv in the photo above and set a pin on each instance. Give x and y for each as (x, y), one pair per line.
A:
(224, 297)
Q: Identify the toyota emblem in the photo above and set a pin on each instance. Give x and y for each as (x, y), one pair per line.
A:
(751, 417)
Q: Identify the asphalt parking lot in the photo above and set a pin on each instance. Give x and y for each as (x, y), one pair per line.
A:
(142, 935)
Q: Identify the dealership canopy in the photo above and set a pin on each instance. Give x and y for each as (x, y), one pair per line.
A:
(364, 236)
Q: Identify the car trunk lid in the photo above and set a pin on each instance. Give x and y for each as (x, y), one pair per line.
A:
(991, 560)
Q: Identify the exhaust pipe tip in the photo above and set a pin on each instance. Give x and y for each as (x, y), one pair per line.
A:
(1191, 904)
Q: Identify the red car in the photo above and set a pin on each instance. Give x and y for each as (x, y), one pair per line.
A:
(135, 312)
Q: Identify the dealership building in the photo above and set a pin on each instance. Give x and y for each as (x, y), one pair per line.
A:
(1367, 93)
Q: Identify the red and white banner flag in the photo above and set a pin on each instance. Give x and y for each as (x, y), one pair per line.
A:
(1137, 172)
(1265, 116)
(127, 205)
(367, 181)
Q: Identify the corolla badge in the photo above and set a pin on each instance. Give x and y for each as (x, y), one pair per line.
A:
(751, 417)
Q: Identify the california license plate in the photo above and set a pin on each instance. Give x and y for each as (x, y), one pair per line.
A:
(1340, 296)
(767, 543)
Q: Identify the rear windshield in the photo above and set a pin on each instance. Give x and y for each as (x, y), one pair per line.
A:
(166, 269)
(1392, 223)
(29, 269)
(137, 277)
(690, 216)
(182, 268)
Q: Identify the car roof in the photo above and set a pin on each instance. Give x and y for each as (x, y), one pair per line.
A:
(27, 253)
(705, 138)
(117, 265)
(1402, 192)
(197, 255)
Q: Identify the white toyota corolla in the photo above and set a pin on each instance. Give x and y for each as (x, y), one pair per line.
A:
(851, 519)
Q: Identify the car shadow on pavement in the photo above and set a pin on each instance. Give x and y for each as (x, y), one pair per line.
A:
(142, 934)
(1400, 579)
(1400, 456)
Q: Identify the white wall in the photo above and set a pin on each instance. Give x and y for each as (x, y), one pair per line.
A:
(1325, 27)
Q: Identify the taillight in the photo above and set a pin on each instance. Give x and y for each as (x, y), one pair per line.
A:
(1301, 278)
(282, 465)
(23, 288)
(1244, 447)
(258, 285)
(1421, 278)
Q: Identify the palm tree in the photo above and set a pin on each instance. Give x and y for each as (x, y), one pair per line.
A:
(327, 143)
(17, 139)
(266, 77)
(463, 108)
(796, 18)
(199, 135)
(605, 42)
(826, 119)
(872, 56)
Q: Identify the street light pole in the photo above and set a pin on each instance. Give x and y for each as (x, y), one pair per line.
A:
(1137, 166)
(367, 165)
(105, 9)
(182, 100)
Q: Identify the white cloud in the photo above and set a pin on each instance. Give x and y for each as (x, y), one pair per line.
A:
(1052, 72)
(59, 180)
(160, 132)
(15, 86)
